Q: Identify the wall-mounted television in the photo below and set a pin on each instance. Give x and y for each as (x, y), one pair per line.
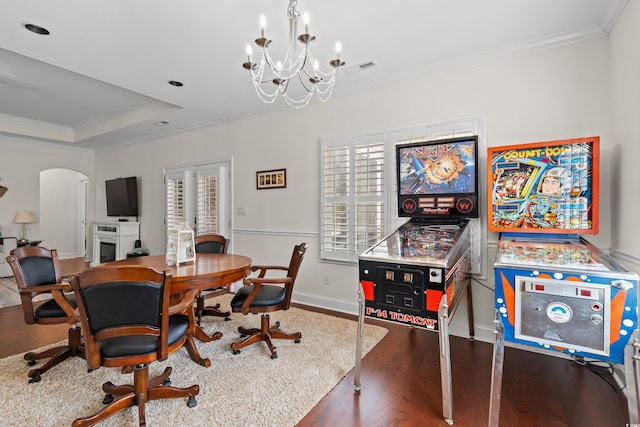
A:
(438, 178)
(122, 196)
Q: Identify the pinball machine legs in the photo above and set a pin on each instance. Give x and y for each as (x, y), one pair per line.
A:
(632, 377)
(444, 349)
(496, 372)
(445, 360)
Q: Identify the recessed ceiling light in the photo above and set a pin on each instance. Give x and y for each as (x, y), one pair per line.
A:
(36, 29)
(175, 83)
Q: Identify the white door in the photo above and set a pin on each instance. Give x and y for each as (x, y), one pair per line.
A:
(199, 195)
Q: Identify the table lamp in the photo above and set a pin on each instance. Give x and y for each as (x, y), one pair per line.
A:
(24, 217)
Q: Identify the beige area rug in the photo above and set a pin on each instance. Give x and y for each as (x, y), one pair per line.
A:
(9, 295)
(8, 292)
(247, 389)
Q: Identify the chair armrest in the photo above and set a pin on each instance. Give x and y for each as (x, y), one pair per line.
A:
(264, 268)
(63, 287)
(185, 303)
(262, 280)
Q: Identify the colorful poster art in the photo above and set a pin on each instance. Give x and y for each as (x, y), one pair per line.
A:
(545, 187)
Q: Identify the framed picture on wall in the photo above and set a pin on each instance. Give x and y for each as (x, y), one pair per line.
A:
(276, 178)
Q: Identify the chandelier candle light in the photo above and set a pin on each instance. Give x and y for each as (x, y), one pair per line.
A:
(298, 65)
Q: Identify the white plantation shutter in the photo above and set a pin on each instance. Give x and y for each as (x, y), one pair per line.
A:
(352, 196)
(175, 199)
(207, 205)
(369, 194)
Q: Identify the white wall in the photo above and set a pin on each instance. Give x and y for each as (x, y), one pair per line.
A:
(548, 95)
(20, 165)
(625, 143)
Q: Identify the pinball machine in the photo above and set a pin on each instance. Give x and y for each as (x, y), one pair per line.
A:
(553, 289)
(418, 274)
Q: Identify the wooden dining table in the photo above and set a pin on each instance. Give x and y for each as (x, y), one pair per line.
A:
(208, 271)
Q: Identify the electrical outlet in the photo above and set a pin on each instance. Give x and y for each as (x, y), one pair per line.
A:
(242, 211)
(327, 279)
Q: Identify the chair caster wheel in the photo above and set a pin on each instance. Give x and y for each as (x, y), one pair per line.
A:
(236, 351)
(31, 362)
(89, 370)
(192, 402)
(108, 398)
(243, 335)
(274, 356)
(297, 341)
(227, 319)
(167, 382)
(35, 379)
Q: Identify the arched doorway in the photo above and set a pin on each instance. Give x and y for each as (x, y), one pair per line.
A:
(63, 210)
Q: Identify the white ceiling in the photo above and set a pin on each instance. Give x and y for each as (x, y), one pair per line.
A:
(100, 78)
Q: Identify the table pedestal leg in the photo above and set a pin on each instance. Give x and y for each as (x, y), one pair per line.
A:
(194, 354)
(201, 335)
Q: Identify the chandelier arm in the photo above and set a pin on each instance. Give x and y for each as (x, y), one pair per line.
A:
(303, 83)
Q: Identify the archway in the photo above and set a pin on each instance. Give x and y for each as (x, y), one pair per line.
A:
(63, 210)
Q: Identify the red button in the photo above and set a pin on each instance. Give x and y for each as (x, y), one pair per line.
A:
(585, 292)
(538, 287)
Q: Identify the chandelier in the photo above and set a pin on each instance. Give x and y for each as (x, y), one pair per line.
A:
(298, 77)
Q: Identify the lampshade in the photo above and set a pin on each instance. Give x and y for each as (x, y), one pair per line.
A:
(25, 217)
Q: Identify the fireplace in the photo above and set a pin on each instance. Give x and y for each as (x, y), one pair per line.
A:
(113, 240)
(107, 250)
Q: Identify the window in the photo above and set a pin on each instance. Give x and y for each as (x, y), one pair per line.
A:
(358, 188)
(353, 195)
(199, 196)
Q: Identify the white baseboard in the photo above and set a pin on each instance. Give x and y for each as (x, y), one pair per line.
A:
(457, 329)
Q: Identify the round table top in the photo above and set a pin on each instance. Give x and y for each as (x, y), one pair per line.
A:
(208, 271)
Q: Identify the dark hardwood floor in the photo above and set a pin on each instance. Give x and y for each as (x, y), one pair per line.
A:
(401, 383)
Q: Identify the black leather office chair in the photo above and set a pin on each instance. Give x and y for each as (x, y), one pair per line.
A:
(211, 244)
(266, 294)
(37, 272)
(127, 321)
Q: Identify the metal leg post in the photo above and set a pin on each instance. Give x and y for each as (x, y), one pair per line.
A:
(632, 377)
(496, 372)
(356, 375)
(445, 360)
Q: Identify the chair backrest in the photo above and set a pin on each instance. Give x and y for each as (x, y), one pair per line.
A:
(127, 301)
(211, 244)
(294, 266)
(33, 266)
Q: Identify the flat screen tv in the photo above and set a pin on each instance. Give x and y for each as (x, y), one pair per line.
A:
(122, 196)
(438, 179)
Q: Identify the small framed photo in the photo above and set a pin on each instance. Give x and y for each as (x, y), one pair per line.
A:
(276, 178)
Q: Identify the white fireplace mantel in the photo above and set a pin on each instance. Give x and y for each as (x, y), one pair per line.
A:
(113, 240)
